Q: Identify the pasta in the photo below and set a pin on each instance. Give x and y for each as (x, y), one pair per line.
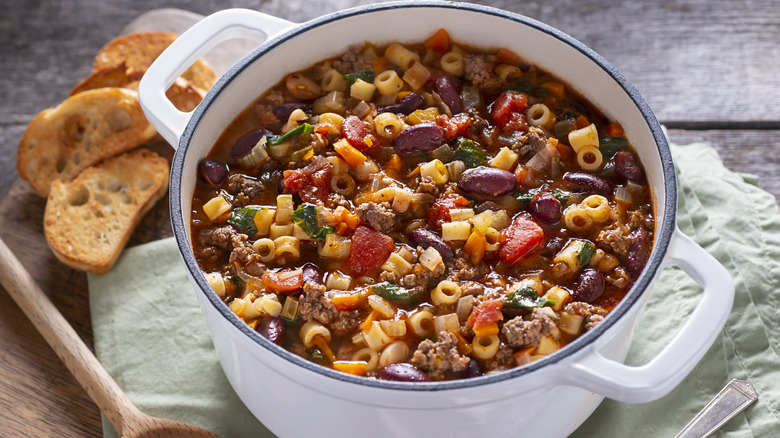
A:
(400, 56)
(388, 82)
(332, 80)
(452, 63)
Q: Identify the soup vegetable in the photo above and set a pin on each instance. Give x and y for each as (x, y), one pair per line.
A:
(422, 211)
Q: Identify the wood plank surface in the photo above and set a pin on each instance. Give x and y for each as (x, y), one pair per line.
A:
(707, 68)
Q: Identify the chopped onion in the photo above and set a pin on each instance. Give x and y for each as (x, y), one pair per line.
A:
(623, 195)
(361, 109)
(443, 152)
(255, 156)
(632, 186)
(541, 160)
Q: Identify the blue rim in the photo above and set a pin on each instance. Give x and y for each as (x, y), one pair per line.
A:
(642, 283)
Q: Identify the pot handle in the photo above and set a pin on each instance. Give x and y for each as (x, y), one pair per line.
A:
(592, 371)
(185, 50)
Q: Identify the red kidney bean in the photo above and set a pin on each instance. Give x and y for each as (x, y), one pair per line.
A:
(271, 328)
(487, 181)
(423, 137)
(403, 372)
(590, 286)
(487, 205)
(426, 238)
(311, 274)
(243, 146)
(545, 208)
(448, 93)
(626, 166)
(638, 250)
(212, 172)
(406, 105)
(553, 247)
(592, 183)
(284, 110)
(473, 369)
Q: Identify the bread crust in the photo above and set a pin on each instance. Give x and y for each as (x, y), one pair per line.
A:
(88, 221)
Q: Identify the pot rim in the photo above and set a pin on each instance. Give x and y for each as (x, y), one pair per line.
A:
(654, 263)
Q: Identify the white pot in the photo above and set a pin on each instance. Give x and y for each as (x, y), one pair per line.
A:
(550, 397)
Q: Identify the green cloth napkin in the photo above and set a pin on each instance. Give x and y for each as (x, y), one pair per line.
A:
(151, 337)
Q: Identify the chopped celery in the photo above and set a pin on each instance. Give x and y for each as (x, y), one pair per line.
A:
(365, 75)
(526, 298)
(244, 219)
(468, 153)
(305, 128)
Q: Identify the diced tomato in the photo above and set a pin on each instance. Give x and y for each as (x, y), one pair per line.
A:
(283, 281)
(370, 249)
(508, 56)
(453, 127)
(440, 209)
(614, 129)
(311, 183)
(324, 128)
(486, 313)
(440, 41)
(519, 238)
(357, 134)
(509, 111)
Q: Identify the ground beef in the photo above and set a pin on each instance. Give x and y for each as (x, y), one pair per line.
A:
(427, 185)
(616, 238)
(503, 359)
(487, 205)
(478, 71)
(336, 200)
(318, 142)
(437, 357)
(593, 313)
(351, 62)
(460, 268)
(419, 276)
(619, 278)
(245, 190)
(379, 216)
(472, 288)
(530, 143)
(315, 305)
(215, 243)
(242, 250)
(525, 333)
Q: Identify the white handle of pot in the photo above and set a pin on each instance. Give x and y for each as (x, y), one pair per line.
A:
(592, 371)
(191, 45)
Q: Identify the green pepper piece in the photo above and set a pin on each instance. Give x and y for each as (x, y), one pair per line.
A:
(365, 75)
(305, 217)
(526, 298)
(305, 128)
(586, 253)
(523, 85)
(391, 292)
(609, 146)
(468, 153)
(244, 219)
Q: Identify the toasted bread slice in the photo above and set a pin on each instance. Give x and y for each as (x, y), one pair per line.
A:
(88, 221)
(61, 142)
(184, 96)
(138, 51)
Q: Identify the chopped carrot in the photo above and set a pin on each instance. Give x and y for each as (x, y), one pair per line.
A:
(322, 344)
(521, 173)
(351, 220)
(464, 346)
(373, 316)
(614, 129)
(345, 301)
(486, 313)
(582, 122)
(486, 330)
(380, 64)
(440, 41)
(324, 128)
(523, 356)
(508, 56)
(357, 368)
(283, 281)
(342, 228)
(352, 156)
(564, 151)
(394, 163)
(557, 89)
(475, 246)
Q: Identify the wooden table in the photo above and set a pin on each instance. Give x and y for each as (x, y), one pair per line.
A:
(709, 69)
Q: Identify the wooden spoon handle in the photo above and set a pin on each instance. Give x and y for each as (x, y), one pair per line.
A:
(76, 356)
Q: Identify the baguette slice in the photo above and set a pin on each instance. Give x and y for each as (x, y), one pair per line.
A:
(88, 221)
(138, 50)
(85, 129)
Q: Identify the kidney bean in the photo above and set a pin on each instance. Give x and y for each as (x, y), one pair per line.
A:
(487, 181)
(406, 105)
(212, 172)
(487, 205)
(638, 250)
(553, 247)
(545, 208)
(271, 328)
(426, 238)
(592, 183)
(473, 369)
(423, 137)
(448, 93)
(311, 274)
(590, 286)
(243, 146)
(626, 166)
(284, 110)
(403, 372)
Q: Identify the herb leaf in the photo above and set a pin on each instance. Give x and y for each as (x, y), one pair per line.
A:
(391, 292)
(305, 128)
(526, 298)
(586, 253)
(244, 219)
(305, 217)
(468, 153)
(560, 195)
(609, 146)
(523, 85)
(365, 75)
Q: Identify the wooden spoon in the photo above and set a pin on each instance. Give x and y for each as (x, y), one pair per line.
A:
(126, 418)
